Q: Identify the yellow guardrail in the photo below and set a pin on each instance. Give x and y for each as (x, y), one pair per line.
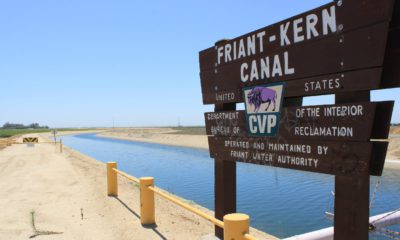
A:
(249, 237)
(236, 226)
(214, 220)
(126, 175)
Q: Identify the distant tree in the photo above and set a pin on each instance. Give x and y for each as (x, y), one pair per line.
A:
(34, 125)
(9, 125)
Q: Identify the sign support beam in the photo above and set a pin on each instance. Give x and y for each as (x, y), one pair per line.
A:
(352, 193)
(224, 182)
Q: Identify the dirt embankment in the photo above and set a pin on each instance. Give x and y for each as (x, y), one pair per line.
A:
(5, 142)
(63, 195)
(165, 136)
(395, 130)
(393, 152)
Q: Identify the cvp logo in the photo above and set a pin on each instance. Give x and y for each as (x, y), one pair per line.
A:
(261, 123)
(263, 105)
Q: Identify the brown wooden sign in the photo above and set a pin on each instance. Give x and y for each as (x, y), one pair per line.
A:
(295, 49)
(391, 71)
(342, 122)
(323, 51)
(346, 48)
(361, 80)
(338, 158)
(395, 22)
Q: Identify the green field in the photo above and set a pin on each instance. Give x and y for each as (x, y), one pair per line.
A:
(4, 133)
(11, 132)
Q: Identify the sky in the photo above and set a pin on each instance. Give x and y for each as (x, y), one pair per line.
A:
(129, 63)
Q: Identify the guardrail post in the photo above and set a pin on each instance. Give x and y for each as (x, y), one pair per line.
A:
(147, 212)
(112, 180)
(236, 225)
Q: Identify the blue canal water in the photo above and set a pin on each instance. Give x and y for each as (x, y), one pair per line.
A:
(281, 202)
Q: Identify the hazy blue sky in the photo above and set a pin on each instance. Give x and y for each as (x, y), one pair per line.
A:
(84, 63)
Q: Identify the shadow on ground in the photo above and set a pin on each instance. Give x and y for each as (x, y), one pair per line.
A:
(151, 226)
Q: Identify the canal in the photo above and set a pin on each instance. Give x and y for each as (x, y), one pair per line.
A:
(279, 201)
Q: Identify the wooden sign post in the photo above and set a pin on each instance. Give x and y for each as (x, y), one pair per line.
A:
(54, 132)
(224, 181)
(351, 219)
(346, 48)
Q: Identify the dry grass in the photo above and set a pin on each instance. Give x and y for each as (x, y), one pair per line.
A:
(4, 142)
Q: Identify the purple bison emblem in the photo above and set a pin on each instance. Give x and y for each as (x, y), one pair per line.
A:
(260, 95)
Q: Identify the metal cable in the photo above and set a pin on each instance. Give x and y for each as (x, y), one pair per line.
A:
(387, 215)
(373, 198)
(386, 234)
